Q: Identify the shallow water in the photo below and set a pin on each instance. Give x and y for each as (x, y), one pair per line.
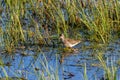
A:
(29, 63)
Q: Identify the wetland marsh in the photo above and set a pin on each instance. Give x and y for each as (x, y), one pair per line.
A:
(30, 45)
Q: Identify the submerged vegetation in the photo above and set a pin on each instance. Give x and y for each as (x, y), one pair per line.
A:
(40, 22)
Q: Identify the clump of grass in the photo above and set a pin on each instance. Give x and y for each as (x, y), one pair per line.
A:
(98, 20)
(110, 71)
(48, 72)
(3, 69)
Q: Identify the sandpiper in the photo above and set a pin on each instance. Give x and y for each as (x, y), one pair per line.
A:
(69, 42)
